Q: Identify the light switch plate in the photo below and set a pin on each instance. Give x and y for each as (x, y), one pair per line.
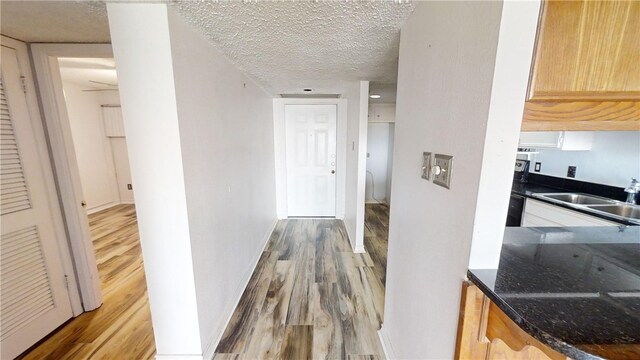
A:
(426, 165)
(442, 167)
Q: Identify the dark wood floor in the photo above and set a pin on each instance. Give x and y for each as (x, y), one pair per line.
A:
(310, 296)
(121, 327)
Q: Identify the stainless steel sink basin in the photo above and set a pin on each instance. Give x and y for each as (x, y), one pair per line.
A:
(578, 199)
(622, 210)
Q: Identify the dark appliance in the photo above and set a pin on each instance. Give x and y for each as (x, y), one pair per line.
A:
(516, 202)
(514, 215)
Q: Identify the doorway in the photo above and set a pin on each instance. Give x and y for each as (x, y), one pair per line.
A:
(380, 136)
(311, 160)
(92, 101)
(81, 106)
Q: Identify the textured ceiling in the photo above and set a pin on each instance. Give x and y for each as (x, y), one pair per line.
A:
(286, 46)
(55, 21)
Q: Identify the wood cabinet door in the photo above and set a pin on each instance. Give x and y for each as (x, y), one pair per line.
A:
(587, 50)
(586, 67)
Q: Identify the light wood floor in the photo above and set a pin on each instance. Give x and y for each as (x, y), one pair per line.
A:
(310, 296)
(121, 327)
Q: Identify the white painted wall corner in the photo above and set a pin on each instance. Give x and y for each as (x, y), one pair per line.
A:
(386, 344)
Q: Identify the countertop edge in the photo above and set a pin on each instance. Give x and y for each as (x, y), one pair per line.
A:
(540, 335)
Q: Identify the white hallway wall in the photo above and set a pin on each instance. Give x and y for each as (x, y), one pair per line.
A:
(93, 148)
(200, 135)
(613, 160)
(451, 101)
(226, 134)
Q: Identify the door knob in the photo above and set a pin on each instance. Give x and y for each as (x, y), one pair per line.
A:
(333, 171)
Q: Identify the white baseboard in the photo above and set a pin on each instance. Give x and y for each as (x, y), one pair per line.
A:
(376, 202)
(348, 233)
(106, 206)
(210, 350)
(357, 248)
(386, 345)
(178, 357)
(98, 208)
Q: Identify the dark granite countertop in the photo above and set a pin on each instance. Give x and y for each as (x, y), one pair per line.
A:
(530, 190)
(575, 289)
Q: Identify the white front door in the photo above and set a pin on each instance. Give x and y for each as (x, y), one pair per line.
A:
(311, 160)
(34, 298)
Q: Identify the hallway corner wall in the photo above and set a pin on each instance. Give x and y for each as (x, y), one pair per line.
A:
(227, 144)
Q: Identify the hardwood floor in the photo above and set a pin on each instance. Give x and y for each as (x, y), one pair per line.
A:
(121, 327)
(310, 296)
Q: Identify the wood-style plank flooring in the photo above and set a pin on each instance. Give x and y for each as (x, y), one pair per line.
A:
(121, 327)
(310, 296)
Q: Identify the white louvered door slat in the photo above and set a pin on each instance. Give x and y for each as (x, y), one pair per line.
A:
(33, 297)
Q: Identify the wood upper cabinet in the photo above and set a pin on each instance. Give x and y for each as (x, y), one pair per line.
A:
(586, 67)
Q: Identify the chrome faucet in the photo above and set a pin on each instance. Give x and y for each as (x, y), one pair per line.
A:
(632, 191)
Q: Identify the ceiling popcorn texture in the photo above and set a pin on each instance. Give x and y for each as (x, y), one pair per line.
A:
(284, 45)
(287, 46)
(78, 21)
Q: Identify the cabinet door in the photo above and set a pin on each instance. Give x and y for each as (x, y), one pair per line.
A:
(586, 68)
(588, 50)
(541, 214)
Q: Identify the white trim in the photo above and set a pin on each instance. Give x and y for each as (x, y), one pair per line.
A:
(375, 202)
(386, 344)
(101, 207)
(361, 171)
(179, 357)
(280, 151)
(58, 128)
(210, 350)
(346, 226)
(109, 205)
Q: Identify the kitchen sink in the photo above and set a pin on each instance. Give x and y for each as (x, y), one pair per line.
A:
(578, 199)
(622, 210)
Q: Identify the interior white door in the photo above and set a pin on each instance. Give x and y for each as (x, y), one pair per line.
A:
(311, 159)
(34, 299)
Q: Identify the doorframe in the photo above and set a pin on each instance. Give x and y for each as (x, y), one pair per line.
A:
(280, 141)
(56, 120)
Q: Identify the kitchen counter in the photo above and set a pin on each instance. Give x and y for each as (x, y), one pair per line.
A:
(576, 290)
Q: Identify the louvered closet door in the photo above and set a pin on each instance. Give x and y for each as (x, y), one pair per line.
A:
(34, 299)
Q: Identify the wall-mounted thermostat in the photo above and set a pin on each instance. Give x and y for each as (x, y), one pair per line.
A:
(426, 165)
(441, 170)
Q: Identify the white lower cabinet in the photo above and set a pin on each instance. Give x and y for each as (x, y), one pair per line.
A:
(539, 214)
